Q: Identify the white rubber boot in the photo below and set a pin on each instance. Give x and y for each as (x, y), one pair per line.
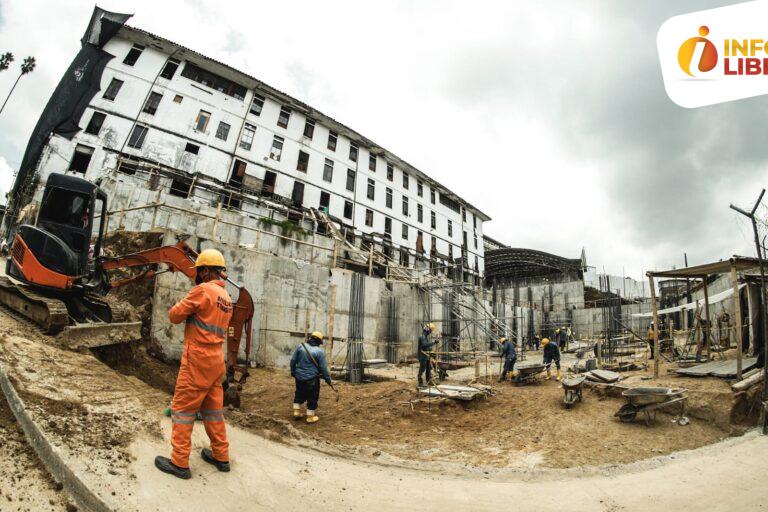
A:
(297, 410)
(312, 417)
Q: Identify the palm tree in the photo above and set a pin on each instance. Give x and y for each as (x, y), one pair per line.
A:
(26, 67)
(5, 60)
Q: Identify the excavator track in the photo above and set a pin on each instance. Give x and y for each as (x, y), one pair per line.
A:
(54, 318)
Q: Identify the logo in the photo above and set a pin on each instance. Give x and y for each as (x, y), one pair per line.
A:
(714, 56)
(699, 51)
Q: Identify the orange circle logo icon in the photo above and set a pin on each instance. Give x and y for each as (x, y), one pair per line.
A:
(687, 51)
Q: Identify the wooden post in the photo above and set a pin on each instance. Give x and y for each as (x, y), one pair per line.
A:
(370, 260)
(157, 205)
(331, 314)
(335, 253)
(216, 220)
(306, 321)
(708, 330)
(127, 204)
(737, 323)
(656, 355)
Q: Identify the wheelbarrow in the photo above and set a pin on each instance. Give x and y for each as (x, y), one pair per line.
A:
(649, 400)
(528, 374)
(572, 387)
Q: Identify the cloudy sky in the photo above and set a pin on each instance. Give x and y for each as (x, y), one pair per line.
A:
(549, 116)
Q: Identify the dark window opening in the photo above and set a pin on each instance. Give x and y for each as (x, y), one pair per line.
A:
(350, 180)
(387, 225)
(332, 139)
(353, 151)
(347, 209)
(405, 206)
(277, 148)
(325, 201)
(95, 124)
(463, 214)
(170, 69)
(192, 148)
(180, 187)
(112, 89)
(150, 107)
(433, 220)
(246, 140)
(404, 259)
(328, 170)
(81, 159)
(128, 167)
(297, 196)
(405, 181)
(419, 213)
(257, 105)
(389, 198)
(405, 231)
(303, 162)
(238, 174)
(309, 128)
(450, 228)
(133, 55)
(139, 133)
(370, 194)
(201, 123)
(222, 132)
(450, 203)
(212, 80)
(372, 163)
(270, 182)
(284, 117)
(369, 217)
(419, 189)
(178, 98)
(432, 196)
(390, 172)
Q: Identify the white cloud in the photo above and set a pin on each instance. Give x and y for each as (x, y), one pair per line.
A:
(7, 174)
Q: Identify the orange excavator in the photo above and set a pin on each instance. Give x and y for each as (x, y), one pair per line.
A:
(59, 279)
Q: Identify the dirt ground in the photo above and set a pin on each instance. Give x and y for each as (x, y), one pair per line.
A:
(524, 426)
(24, 484)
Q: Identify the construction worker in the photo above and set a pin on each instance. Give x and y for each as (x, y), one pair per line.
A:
(307, 366)
(206, 309)
(551, 354)
(425, 345)
(651, 339)
(562, 341)
(509, 353)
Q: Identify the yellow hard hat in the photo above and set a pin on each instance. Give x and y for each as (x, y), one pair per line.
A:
(545, 341)
(318, 335)
(502, 339)
(431, 327)
(210, 258)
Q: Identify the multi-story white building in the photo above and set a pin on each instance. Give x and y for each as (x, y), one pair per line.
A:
(195, 120)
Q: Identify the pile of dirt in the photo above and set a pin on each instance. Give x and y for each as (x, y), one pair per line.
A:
(518, 427)
(24, 484)
(136, 360)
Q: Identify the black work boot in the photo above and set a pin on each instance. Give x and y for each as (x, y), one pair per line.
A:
(165, 465)
(207, 455)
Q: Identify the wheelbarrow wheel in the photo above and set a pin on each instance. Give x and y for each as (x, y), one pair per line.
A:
(627, 413)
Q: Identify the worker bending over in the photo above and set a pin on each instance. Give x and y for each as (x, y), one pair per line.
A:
(551, 354)
(206, 309)
(307, 366)
(509, 354)
(425, 345)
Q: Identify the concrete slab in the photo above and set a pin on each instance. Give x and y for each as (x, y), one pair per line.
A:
(721, 369)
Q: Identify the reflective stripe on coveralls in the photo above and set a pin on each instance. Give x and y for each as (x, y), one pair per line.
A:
(206, 309)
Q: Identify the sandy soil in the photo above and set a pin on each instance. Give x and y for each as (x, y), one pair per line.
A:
(524, 426)
(24, 484)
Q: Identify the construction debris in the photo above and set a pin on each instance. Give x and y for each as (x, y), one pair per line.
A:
(720, 369)
(454, 392)
(605, 376)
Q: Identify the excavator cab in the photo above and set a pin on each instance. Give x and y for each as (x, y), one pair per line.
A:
(56, 251)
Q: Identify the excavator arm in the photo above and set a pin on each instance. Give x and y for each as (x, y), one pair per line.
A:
(180, 257)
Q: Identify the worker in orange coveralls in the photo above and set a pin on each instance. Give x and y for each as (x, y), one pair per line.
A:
(206, 309)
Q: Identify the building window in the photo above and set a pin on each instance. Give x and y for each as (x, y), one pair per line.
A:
(419, 213)
(432, 196)
(350, 180)
(133, 55)
(222, 132)
(139, 133)
(94, 125)
(450, 252)
(257, 105)
(369, 218)
(353, 151)
(150, 107)
(450, 228)
(303, 162)
(112, 89)
(328, 170)
(387, 225)
(474, 221)
(277, 148)
(325, 201)
(284, 117)
(192, 148)
(405, 231)
(347, 209)
(390, 172)
(372, 163)
(332, 139)
(405, 206)
(201, 123)
(297, 196)
(178, 98)
(81, 159)
(419, 189)
(246, 140)
(433, 220)
(389, 198)
(475, 237)
(463, 214)
(309, 128)
(405, 181)
(170, 69)
(370, 194)
(214, 81)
